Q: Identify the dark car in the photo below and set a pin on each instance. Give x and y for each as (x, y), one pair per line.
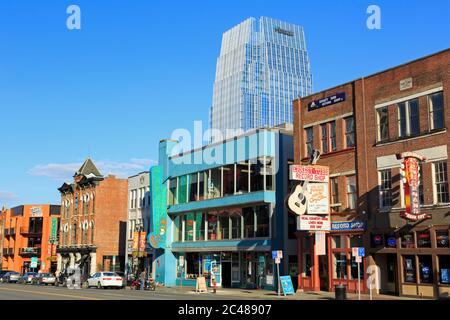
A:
(11, 276)
(27, 277)
(2, 273)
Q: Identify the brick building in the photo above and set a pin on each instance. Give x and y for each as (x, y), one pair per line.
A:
(93, 221)
(30, 231)
(402, 109)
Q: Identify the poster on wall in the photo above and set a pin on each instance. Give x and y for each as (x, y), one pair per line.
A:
(35, 212)
(318, 198)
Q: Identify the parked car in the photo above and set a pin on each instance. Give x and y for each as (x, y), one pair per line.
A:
(27, 277)
(2, 273)
(44, 278)
(11, 276)
(105, 280)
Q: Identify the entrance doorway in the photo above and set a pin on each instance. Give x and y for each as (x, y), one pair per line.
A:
(391, 273)
(226, 274)
(323, 272)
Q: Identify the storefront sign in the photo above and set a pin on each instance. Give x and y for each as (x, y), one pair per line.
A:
(311, 173)
(348, 226)
(315, 223)
(158, 207)
(328, 101)
(35, 212)
(411, 180)
(377, 240)
(286, 285)
(318, 198)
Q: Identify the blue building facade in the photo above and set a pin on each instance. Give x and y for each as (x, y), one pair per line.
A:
(263, 66)
(220, 209)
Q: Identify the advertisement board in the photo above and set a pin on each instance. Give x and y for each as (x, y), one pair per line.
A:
(315, 223)
(318, 198)
(311, 173)
(35, 212)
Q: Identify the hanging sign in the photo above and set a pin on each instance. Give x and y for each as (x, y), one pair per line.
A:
(410, 172)
(318, 198)
(315, 223)
(311, 173)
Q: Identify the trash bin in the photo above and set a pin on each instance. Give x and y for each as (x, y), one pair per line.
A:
(340, 292)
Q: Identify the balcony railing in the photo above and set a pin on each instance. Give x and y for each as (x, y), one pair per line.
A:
(29, 231)
(30, 251)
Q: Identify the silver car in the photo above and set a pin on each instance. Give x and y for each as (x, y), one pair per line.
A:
(11, 277)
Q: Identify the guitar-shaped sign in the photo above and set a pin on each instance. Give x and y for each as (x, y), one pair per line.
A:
(297, 200)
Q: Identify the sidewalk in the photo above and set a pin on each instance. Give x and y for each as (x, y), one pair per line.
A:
(265, 294)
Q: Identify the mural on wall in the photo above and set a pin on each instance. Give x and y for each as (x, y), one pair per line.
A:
(157, 236)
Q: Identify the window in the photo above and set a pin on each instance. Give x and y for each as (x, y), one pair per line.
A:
(442, 239)
(212, 226)
(214, 183)
(423, 239)
(408, 118)
(192, 265)
(351, 192)
(383, 124)
(189, 227)
(349, 132)
(309, 141)
(262, 221)
(236, 225)
(409, 267)
(201, 185)
(436, 111)
(200, 226)
(249, 222)
(440, 182)
(339, 242)
(224, 229)
(356, 241)
(425, 269)
(335, 205)
(193, 187)
(340, 265)
(228, 180)
(182, 189)
(407, 241)
(269, 171)
(172, 194)
(328, 137)
(385, 189)
(242, 177)
(444, 269)
(256, 175)
(177, 234)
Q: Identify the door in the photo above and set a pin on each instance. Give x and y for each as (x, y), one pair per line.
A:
(226, 274)
(391, 265)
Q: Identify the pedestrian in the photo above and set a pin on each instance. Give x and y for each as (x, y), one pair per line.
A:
(142, 277)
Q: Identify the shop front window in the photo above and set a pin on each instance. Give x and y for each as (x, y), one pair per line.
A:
(425, 269)
(235, 267)
(262, 218)
(178, 229)
(193, 187)
(442, 239)
(249, 222)
(339, 242)
(444, 269)
(409, 267)
(172, 195)
(214, 183)
(201, 185)
(307, 264)
(212, 226)
(340, 265)
(354, 270)
(182, 189)
(192, 265)
(423, 239)
(408, 241)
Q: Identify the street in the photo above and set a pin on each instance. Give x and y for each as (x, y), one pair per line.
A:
(12, 291)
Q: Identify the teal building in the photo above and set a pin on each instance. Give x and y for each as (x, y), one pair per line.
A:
(220, 210)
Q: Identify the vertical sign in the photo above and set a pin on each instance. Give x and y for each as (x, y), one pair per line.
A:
(320, 243)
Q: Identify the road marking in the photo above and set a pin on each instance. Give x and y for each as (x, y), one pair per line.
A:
(48, 293)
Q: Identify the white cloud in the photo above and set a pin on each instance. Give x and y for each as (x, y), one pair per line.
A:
(7, 197)
(65, 171)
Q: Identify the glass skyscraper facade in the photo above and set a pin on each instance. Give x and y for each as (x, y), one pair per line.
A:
(263, 66)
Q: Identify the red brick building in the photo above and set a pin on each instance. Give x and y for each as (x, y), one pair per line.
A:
(93, 221)
(402, 109)
(30, 231)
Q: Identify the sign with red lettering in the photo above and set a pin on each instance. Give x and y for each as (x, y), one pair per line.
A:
(311, 173)
(315, 223)
(411, 180)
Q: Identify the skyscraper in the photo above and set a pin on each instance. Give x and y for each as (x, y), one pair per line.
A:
(263, 66)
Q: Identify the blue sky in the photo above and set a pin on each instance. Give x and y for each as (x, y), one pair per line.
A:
(137, 70)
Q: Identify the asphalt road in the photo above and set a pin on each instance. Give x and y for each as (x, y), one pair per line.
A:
(12, 291)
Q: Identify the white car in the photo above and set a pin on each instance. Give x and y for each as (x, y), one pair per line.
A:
(105, 280)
